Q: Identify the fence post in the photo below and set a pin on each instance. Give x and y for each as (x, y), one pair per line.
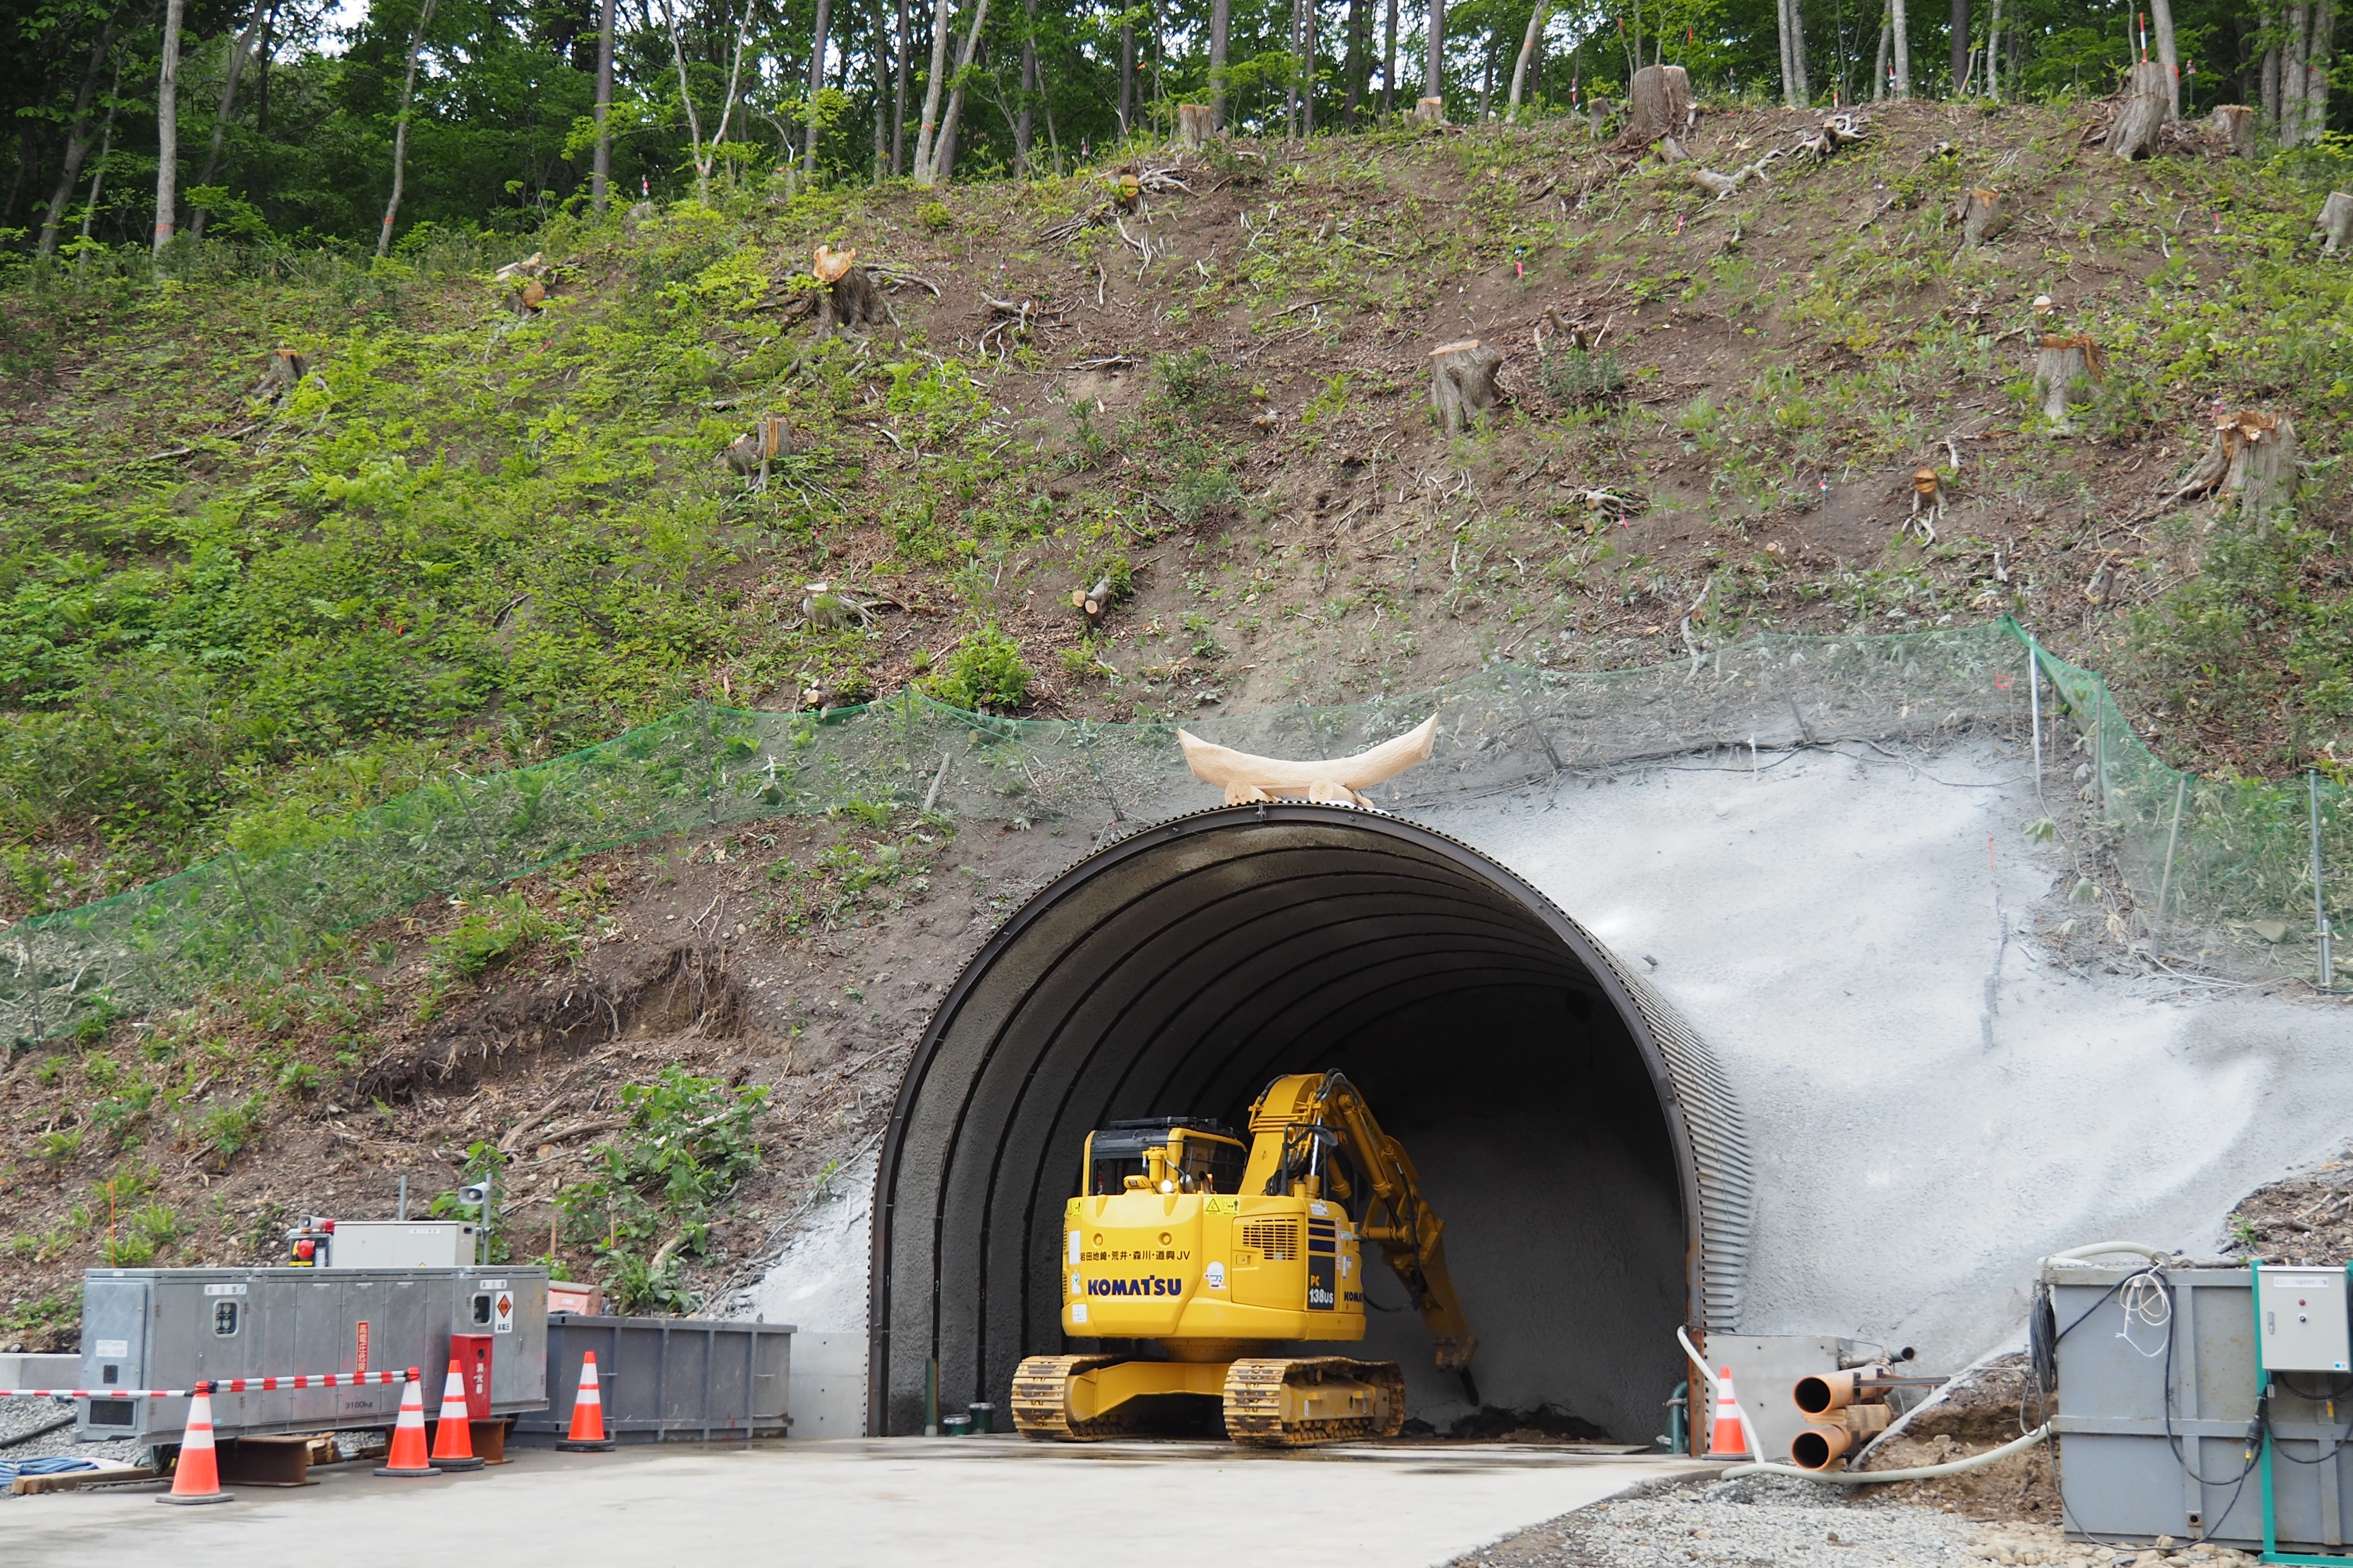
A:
(2319, 901)
(2164, 884)
(2034, 712)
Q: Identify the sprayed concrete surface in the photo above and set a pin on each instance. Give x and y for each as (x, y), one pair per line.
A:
(1934, 1097)
(978, 1501)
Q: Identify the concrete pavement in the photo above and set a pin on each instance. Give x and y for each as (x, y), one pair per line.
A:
(877, 1503)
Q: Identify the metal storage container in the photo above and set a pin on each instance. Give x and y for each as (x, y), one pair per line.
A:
(667, 1379)
(2136, 1464)
(171, 1327)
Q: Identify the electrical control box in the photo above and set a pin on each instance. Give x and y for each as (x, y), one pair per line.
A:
(2304, 1321)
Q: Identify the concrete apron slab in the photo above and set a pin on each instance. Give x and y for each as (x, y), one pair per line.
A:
(877, 1503)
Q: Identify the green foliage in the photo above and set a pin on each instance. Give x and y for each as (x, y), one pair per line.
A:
(232, 1128)
(489, 934)
(62, 1147)
(1581, 378)
(689, 1140)
(985, 674)
(1191, 378)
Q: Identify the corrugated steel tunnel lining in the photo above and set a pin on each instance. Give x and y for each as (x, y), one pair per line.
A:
(1576, 1137)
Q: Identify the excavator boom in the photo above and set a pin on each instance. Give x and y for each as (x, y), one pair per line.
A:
(1295, 1124)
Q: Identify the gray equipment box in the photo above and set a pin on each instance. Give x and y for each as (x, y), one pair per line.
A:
(399, 1244)
(172, 1328)
(2304, 1322)
(1765, 1368)
(667, 1379)
(2135, 1463)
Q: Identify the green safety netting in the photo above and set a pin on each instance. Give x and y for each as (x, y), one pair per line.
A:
(2218, 871)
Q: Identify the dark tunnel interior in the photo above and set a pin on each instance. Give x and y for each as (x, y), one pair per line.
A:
(1177, 972)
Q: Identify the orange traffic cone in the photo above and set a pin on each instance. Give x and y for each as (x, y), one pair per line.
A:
(196, 1477)
(453, 1434)
(407, 1459)
(588, 1414)
(1729, 1437)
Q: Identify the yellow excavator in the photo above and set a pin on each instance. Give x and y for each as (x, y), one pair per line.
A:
(1184, 1237)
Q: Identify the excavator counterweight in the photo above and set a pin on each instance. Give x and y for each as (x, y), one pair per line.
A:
(1183, 1236)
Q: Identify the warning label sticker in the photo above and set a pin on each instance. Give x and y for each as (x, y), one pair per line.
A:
(503, 1313)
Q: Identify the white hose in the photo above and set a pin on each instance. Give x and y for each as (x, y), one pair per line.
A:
(2078, 1254)
(1917, 1473)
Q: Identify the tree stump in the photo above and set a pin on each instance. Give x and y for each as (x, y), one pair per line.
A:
(2064, 371)
(752, 452)
(639, 213)
(1429, 111)
(1596, 114)
(1462, 382)
(1983, 214)
(2149, 104)
(1659, 104)
(2336, 221)
(851, 299)
(2252, 457)
(282, 375)
(2232, 126)
(1195, 124)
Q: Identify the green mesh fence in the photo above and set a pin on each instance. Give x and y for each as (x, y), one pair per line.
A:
(2218, 871)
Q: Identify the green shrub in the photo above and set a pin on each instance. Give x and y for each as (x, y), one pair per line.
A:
(487, 935)
(231, 1127)
(984, 674)
(1582, 378)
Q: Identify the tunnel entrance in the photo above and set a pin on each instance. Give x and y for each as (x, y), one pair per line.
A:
(1576, 1136)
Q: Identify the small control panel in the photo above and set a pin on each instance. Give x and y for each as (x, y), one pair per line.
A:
(2305, 1327)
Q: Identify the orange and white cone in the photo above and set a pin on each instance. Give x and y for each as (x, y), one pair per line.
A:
(408, 1459)
(1729, 1437)
(453, 1432)
(196, 1476)
(588, 1414)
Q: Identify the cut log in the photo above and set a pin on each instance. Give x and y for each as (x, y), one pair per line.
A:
(2231, 126)
(1462, 382)
(1429, 111)
(2252, 457)
(1659, 104)
(2336, 221)
(1841, 129)
(1983, 214)
(2149, 104)
(1196, 122)
(1928, 501)
(1093, 603)
(2065, 368)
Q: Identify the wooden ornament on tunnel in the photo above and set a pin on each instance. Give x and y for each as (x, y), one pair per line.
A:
(1246, 778)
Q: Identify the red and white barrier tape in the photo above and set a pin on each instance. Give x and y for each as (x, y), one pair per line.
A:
(218, 1385)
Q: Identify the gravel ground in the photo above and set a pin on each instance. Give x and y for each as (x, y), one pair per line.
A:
(1763, 1521)
(18, 1417)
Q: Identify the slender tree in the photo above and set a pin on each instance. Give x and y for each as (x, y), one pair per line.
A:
(817, 81)
(1993, 53)
(600, 178)
(927, 135)
(2160, 22)
(944, 150)
(2317, 57)
(239, 52)
(1434, 66)
(902, 45)
(400, 128)
(167, 125)
(1957, 55)
(1903, 36)
(1128, 73)
(1221, 26)
(98, 170)
(1389, 61)
(76, 141)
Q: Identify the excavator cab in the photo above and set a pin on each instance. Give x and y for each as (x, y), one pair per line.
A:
(1192, 1154)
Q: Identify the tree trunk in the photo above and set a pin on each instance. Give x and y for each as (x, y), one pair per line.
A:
(1534, 36)
(1434, 66)
(1291, 81)
(1126, 79)
(1797, 50)
(105, 146)
(77, 143)
(928, 134)
(2317, 57)
(2064, 371)
(1788, 76)
(167, 125)
(880, 48)
(2160, 22)
(1221, 22)
(2142, 119)
(904, 47)
(2293, 78)
(2271, 86)
(1025, 122)
(600, 176)
(1880, 71)
(1957, 56)
(1462, 382)
(238, 53)
(1353, 70)
(400, 128)
(821, 36)
(686, 98)
(1902, 34)
(1307, 53)
(943, 152)
(1389, 61)
(1993, 54)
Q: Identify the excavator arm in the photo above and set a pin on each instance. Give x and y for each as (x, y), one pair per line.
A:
(1296, 1125)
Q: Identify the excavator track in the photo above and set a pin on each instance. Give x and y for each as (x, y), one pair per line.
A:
(1041, 1400)
(1265, 1394)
